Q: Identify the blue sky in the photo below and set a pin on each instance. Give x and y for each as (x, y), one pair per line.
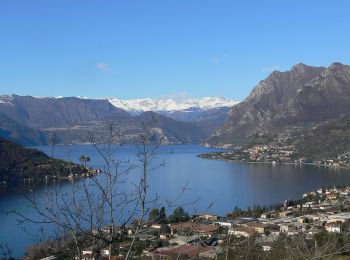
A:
(148, 48)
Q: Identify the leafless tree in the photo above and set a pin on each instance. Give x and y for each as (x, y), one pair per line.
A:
(6, 251)
(299, 246)
(97, 210)
(89, 207)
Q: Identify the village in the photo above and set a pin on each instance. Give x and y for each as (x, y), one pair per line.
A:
(275, 155)
(206, 235)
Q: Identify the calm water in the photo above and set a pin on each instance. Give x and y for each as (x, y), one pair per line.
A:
(220, 183)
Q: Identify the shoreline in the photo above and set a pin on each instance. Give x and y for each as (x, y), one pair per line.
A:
(277, 163)
(23, 183)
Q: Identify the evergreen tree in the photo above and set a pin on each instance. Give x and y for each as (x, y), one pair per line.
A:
(154, 215)
(179, 215)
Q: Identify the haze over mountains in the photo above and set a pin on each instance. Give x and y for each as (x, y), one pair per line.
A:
(190, 121)
(306, 107)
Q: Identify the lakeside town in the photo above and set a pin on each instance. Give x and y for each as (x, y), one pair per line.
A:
(318, 218)
(275, 155)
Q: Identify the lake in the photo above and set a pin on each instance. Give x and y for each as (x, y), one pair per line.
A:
(221, 184)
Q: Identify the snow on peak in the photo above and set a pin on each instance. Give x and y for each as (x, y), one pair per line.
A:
(137, 106)
(141, 105)
(6, 99)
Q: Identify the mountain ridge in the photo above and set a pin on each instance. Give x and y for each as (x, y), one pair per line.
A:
(14, 131)
(72, 118)
(301, 97)
(139, 105)
(136, 106)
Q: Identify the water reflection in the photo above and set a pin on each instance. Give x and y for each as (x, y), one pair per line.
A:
(225, 184)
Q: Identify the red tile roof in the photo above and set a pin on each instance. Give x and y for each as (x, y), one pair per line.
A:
(200, 228)
(188, 250)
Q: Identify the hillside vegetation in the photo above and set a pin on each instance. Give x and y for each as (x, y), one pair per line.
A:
(18, 164)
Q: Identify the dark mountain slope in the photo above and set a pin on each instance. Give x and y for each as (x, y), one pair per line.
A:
(327, 140)
(215, 115)
(18, 163)
(302, 95)
(175, 131)
(59, 112)
(12, 130)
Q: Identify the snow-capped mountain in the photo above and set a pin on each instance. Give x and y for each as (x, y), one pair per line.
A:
(137, 106)
(192, 120)
(6, 99)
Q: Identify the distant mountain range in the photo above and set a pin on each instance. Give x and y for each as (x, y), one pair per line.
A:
(137, 106)
(72, 118)
(306, 107)
(289, 106)
(214, 109)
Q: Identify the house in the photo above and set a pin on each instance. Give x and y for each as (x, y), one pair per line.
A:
(105, 252)
(308, 204)
(292, 232)
(200, 229)
(289, 229)
(340, 217)
(303, 220)
(331, 196)
(284, 228)
(183, 240)
(224, 223)
(146, 234)
(241, 231)
(188, 251)
(89, 253)
(269, 214)
(205, 216)
(334, 228)
(320, 190)
(164, 236)
(285, 213)
(130, 231)
(274, 230)
(258, 227)
(265, 215)
(156, 226)
(266, 246)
